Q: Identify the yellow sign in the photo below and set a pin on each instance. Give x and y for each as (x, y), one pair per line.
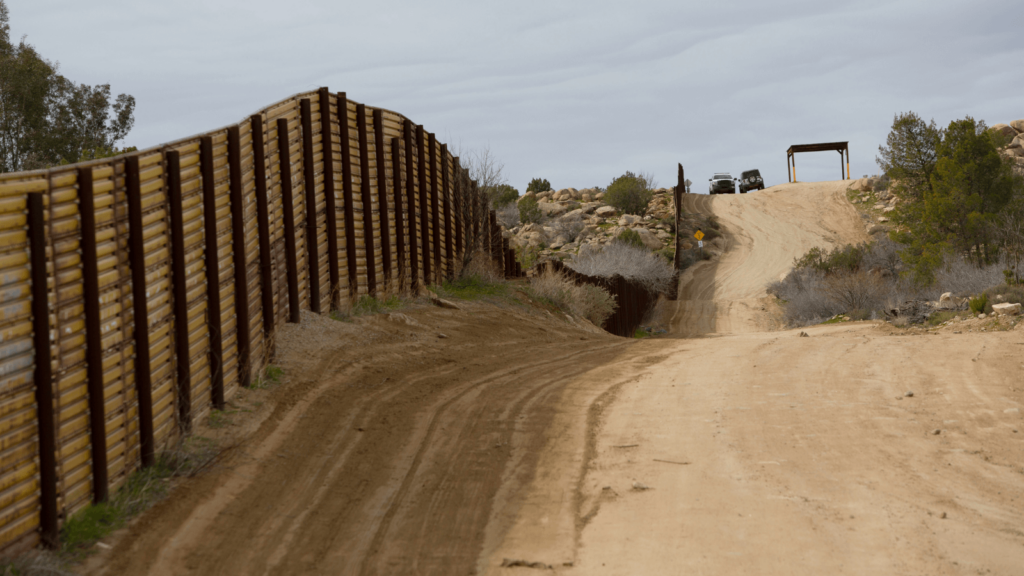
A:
(699, 235)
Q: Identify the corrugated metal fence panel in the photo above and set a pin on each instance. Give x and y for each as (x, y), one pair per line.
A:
(160, 305)
(226, 263)
(426, 218)
(357, 200)
(71, 408)
(195, 279)
(19, 469)
(116, 317)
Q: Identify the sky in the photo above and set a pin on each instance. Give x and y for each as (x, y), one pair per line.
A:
(574, 92)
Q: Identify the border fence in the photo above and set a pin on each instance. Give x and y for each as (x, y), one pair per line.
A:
(212, 241)
(633, 300)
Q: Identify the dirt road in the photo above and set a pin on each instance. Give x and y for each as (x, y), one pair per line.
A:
(520, 441)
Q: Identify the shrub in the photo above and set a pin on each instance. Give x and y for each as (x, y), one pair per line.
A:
(1011, 293)
(507, 215)
(978, 304)
(670, 222)
(538, 185)
(633, 263)
(631, 237)
(503, 195)
(630, 193)
(527, 256)
(529, 210)
(840, 259)
(569, 226)
(591, 302)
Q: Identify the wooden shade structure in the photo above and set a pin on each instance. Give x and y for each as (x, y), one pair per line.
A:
(841, 147)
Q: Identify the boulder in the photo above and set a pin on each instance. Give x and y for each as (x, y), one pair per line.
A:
(605, 211)
(1006, 309)
(650, 240)
(559, 241)
(861, 185)
(551, 208)
(888, 209)
(629, 220)
(577, 213)
(882, 219)
(1017, 142)
(1005, 130)
(873, 229)
(946, 298)
(1017, 125)
(879, 206)
(587, 197)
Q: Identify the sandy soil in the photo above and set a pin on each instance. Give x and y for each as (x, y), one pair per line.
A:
(520, 441)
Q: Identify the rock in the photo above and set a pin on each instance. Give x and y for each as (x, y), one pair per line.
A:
(401, 318)
(1005, 130)
(649, 239)
(861, 185)
(605, 211)
(1017, 125)
(687, 245)
(586, 197)
(551, 208)
(873, 229)
(629, 219)
(1006, 309)
(640, 487)
(804, 334)
(946, 298)
(981, 316)
(558, 242)
(882, 219)
(909, 394)
(1017, 142)
(936, 432)
(438, 301)
(888, 209)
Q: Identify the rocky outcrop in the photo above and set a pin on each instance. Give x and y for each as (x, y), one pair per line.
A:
(1014, 132)
(577, 220)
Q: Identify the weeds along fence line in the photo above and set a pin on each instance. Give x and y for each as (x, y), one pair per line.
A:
(633, 300)
(213, 241)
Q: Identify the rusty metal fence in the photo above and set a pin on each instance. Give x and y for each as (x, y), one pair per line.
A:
(212, 241)
(633, 300)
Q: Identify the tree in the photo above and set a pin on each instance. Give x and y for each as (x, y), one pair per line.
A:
(529, 210)
(45, 118)
(910, 155)
(968, 187)
(631, 193)
(538, 185)
(503, 195)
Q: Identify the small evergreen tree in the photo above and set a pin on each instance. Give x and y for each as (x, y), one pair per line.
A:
(538, 185)
(630, 193)
(529, 210)
(503, 195)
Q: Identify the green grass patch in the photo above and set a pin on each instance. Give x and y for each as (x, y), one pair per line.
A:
(473, 287)
(641, 333)
(941, 316)
(271, 375)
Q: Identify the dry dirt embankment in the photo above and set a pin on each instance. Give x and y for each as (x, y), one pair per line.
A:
(520, 440)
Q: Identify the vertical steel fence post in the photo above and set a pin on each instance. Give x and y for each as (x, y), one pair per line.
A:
(181, 347)
(212, 249)
(367, 198)
(350, 217)
(259, 155)
(382, 193)
(243, 332)
(309, 187)
(43, 375)
(435, 217)
(424, 204)
(449, 247)
(396, 175)
(410, 194)
(137, 257)
(330, 204)
(93, 338)
(291, 257)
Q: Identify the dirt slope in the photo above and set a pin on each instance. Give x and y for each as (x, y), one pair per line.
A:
(764, 232)
(520, 442)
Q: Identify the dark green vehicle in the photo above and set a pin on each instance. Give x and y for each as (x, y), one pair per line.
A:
(751, 180)
(722, 183)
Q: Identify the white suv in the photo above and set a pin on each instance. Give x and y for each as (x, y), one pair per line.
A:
(722, 183)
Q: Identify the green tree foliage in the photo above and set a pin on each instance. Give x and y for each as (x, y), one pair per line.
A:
(502, 195)
(45, 118)
(840, 259)
(968, 188)
(529, 210)
(538, 185)
(630, 193)
(910, 155)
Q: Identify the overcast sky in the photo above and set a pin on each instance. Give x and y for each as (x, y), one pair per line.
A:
(575, 92)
